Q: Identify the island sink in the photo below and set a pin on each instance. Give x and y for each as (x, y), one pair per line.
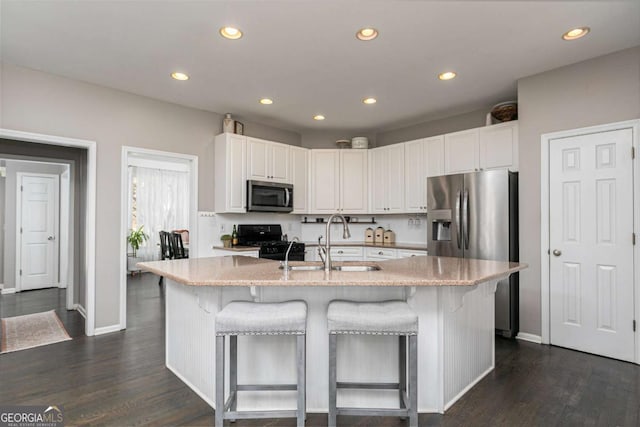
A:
(344, 267)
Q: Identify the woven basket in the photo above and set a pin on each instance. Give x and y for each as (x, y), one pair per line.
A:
(505, 111)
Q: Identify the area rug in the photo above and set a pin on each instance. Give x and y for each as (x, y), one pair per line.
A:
(32, 330)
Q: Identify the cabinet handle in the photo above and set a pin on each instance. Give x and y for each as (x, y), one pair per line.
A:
(380, 253)
(340, 252)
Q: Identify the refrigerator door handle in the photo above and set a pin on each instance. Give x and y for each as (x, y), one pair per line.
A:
(458, 222)
(465, 218)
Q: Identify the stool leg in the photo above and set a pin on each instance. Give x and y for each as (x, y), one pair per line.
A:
(413, 380)
(300, 362)
(233, 371)
(332, 380)
(219, 381)
(402, 367)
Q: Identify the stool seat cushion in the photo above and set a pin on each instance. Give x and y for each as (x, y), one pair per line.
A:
(271, 318)
(375, 318)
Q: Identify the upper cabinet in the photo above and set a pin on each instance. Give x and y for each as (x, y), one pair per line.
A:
(422, 158)
(299, 173)
(499, 146)
(267, 161)
(386, 172)
(230, 168)
(489, 147)
(338, 181)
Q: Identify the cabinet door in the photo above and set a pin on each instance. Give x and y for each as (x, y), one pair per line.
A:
(236, 181)
(434, 148)
(461, 152)
(415, 177)
(353, 181)
(499, 146)
(395, 178)
(372, 254)
(299, 173)
(278, 162)
(347, 253)
(325, 181)
(408, 253)
(378, 180)
(257, 168)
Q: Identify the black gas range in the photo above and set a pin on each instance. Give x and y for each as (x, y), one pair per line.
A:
(269, 239)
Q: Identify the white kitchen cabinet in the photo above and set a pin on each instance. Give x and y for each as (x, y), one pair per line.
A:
(230, 160)
(461, 152)
(499, 146)
(354, 182)
(339, 181)
(299, 173)
(347, 253)
(408, 253)
(226, 252)
(267, 161)
(386, 172)
(380, 254)
(488, 147)
(311, 253)
(422, 158)
(325, 181)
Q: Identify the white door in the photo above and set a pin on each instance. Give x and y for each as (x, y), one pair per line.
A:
(38, 222)
(354, 181)
(499, 146)
(415, 176)
(257, 162)
(461, 152)
(299, 173)
(325, 181)
(591, 260)
(434, 148)
(395, 178)
(278, 156)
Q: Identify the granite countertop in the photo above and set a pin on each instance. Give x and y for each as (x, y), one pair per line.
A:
(414, 271)
(396, 245)
(237, 248)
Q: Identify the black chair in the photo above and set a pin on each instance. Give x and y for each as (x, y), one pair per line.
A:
(177, 246)
(166, 251)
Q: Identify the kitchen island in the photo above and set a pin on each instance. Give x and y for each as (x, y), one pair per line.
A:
(453, 297)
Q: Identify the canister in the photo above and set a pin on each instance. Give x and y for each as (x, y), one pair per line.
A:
(368, 235)
(379, 235)
(389, 237)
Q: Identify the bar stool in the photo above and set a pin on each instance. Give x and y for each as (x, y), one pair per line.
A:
(249, 318)
(375, 318)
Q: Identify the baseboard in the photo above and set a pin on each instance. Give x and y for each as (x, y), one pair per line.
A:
(466, 389)
(529, 337)
(80, 309)
(8, 291)
(106, 329)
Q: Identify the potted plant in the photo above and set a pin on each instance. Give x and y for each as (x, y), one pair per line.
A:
(226, 240)
(135, 239)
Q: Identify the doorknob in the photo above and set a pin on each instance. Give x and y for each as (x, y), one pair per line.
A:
(51, 238)
(557, 252)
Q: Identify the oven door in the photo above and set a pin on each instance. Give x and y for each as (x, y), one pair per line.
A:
(269, 197)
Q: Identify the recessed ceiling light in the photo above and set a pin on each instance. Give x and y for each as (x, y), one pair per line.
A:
(369, 100)
(447, 75)
(366, 34)
(576, 33)
(179, 76)
(231, 33)
(266, 101)
(318, 117)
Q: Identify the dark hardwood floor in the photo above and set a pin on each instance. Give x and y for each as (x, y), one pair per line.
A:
(119, 379)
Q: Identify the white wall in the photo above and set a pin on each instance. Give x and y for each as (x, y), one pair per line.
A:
(597, 91)
(33, 101)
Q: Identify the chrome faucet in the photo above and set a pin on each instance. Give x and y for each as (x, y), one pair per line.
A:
(286, 255)
(345, 235)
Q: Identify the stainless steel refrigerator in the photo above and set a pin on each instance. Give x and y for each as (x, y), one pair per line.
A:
(475, 215)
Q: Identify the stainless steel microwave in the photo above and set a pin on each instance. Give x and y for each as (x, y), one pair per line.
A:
(269, 196)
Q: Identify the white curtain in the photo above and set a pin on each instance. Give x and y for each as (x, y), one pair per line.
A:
(159, 200)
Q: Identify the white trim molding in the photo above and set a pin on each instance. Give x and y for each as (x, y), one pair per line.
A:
(524, 336)
(162, 160)
(107, 329)
(545, 140)
(90, 214)
(8, 291)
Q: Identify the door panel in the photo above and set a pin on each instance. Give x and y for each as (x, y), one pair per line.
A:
(443, 204)
(39, 225)
(591, 260)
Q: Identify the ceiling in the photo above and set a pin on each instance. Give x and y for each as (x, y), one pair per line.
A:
(304, 54)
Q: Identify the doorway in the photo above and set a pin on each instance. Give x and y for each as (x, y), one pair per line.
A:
(589, 202)
(169, 179)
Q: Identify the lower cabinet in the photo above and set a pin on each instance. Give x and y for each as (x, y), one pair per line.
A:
(362, 253)
(407, 253)
(347, 253)
(380, 254)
